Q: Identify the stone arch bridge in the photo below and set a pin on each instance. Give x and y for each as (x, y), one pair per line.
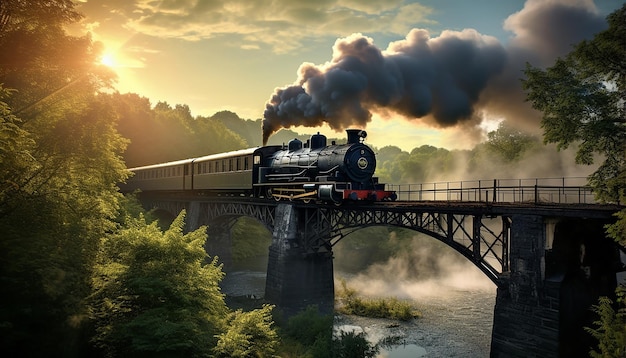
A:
(530, 250)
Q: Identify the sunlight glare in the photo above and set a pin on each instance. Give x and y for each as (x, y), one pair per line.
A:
(108, 60)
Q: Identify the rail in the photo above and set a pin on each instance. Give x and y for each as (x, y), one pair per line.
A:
(571, 190)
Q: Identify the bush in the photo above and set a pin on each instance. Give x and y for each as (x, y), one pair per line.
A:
(353, 345)
(249, 334)
(375, 308)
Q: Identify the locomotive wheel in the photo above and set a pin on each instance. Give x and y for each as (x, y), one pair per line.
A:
(270, 194)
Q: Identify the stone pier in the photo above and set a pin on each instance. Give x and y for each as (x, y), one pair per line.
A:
(559, 268)
(296, 278)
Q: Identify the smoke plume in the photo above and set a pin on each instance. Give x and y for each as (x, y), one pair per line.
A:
(443, 81)
(413, 77)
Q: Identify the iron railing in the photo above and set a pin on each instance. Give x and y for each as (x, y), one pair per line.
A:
(570, 190)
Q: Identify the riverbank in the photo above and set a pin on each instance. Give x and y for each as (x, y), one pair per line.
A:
(456, 326)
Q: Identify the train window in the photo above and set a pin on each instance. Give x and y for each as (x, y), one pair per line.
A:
(238, 160)
(257, 159)
(223, 165)
(217, 166)
(246, 163)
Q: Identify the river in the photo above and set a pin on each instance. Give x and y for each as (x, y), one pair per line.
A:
(456, 319)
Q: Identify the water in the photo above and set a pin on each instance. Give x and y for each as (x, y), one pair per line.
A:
(456, 321)
(457, 324)
(404, 351)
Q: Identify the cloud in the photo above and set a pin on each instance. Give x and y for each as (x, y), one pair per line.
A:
(454, 79)
(282, 25)
(542, 31)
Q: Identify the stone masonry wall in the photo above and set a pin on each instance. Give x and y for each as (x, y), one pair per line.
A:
(295, 280)
(526, 315)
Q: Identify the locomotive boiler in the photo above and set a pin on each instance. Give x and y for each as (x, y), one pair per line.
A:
(315, 170)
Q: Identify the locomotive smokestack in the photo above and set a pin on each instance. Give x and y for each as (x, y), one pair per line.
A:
(355, 136)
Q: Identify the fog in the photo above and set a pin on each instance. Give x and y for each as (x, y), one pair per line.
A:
(426, 268)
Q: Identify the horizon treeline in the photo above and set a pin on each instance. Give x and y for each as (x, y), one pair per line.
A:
(162, 133)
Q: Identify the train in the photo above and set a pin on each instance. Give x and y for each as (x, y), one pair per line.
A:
(308, 171)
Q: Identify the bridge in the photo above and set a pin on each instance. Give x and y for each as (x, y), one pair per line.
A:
(531, 237)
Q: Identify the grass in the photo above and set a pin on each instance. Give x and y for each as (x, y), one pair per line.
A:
(392, 308)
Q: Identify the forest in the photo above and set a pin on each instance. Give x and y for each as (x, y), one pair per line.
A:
(85, 271)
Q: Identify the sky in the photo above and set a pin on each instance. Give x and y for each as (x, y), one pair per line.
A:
(436, 72)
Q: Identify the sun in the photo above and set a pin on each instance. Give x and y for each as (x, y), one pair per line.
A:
(108, 60)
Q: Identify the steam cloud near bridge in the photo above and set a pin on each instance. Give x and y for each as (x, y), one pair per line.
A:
(443, 81)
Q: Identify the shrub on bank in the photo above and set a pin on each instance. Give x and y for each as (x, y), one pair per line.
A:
(392, 308)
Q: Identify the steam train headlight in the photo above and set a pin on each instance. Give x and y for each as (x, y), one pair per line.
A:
(362, 163)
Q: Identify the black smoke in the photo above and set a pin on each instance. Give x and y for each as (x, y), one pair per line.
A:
(443, 80)
(415, 77)
(543, 31)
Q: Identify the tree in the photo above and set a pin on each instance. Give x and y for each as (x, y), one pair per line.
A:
(582, 99)
(155, 295)
(610, 328)
(164, 133)
(249, 334)
(510, 143)
(58, 199)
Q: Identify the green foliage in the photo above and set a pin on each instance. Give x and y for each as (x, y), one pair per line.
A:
(153, 294)
(510, 143)
(164, 133)
(16, 160)
(249, 239)
(58, 174)
(376, 308)
(618, 230)
(250, 130)
(581, 97)
(311, 334)
(353, 345)
(582, 100)
(310, 331)
(249, 334)
(610, 328)
(44, 63)
(388, 161)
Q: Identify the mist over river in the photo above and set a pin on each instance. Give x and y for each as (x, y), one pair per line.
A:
(457, 309)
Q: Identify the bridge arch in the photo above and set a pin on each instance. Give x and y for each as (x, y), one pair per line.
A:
(483, 263)
(469, 234)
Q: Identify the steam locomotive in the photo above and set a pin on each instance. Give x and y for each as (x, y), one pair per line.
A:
(299, 171)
